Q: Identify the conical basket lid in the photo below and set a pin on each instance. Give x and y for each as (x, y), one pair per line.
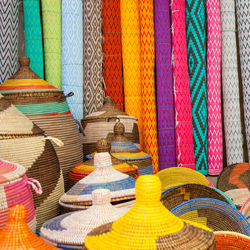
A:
(71, 228)
(149, 225)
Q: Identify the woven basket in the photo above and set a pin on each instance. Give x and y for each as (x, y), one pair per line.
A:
(15, 189)
(178, 176)
(100, 124)
(149, 225)
(215, 214)
(47, 107)
(175, 196)
(238, 196)
(231, 241)
(245, 209)
(69, 230)
(17, 235)
(234, 176)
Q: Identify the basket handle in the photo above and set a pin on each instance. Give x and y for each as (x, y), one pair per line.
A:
(36, 186)
(113, 117)
(57, 141)
(66, 96)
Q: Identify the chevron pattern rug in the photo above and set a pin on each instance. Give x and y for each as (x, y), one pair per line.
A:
(215, 138)
(164, 82)
(72, 55)
(183, 109)
(33, 35)
(230, 84)
(112, 51)
(196, 49)
(8, 38)
(93, 93)
(52, 40)
(243, 19)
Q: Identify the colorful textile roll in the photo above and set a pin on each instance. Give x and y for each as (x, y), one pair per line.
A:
(196, 54)
(52, 39)
(243, 19)
(93, 76)
(230, 84)
(183, 110)
(8, 38)
(33, 35)
(148, 79)
(112, 51)
(131, 59)
(215, 138)
(164, 83)
(72, 54)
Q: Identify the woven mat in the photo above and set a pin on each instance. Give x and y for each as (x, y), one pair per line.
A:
(8, 38)
(33, 35)
(183, 110)
(72, 55)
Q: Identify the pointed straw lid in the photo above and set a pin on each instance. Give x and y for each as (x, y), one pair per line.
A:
(17, 235)
(149, 225)
(71, 228)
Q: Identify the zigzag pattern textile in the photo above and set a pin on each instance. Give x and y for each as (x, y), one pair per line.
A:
(72, 54)
(131, 51)
(215, 138)
(33, 35)
(243, 19)
(8, 38)
(52, 40)
(196, 49)
(164, 82)
(230, 84)
(183, 110)
(112, 51)
(93, 93)
(148, 79)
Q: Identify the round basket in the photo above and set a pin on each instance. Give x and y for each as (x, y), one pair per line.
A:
(238, 196)
(245, 209)
(234, 176)
(231, 241)
(175, 176)
(215, 214)
(100, 124)
(175, 196)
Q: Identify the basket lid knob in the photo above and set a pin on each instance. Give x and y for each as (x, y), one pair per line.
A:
(119, 129)
(103, 145)
(18, 213)
(24, 61)
(108, 100)
(100, 196)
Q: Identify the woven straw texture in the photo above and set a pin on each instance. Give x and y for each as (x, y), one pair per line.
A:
(33, 35)
(231, 241)
(93, 93)
(149, 225)
(15, 189)
(196, 54)
(178, 176)
(183, 109)
(175, 196)
(164, 84)
(69, 230)
(215, 138)
(235, 176)
(230, 84)
(243, 20)
(131, 60)
(52, 40)
(8, 38)
(72, 54)
(238, 195)
(112, 51)
(213, 213)
(245, 209)
(17, 235)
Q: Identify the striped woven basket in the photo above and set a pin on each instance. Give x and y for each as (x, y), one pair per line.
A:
(213, 213)
(245, 209)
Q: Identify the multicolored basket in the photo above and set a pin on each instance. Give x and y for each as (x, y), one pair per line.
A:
(178, 176)
(47, 107)
(175, 196)
(100, 124)
(213, 213)
(231, 241)
(238, 196)
(69, 230)
(15, 189)
(149, 225)
(245, 209)
(17, 235)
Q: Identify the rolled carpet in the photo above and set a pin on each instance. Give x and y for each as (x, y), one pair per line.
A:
(164, 84)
